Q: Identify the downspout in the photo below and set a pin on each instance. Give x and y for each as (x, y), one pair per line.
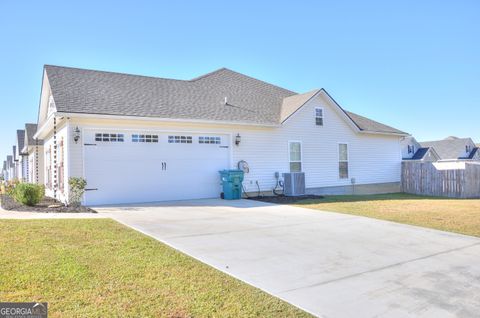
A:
(35, 157)
(55, 179)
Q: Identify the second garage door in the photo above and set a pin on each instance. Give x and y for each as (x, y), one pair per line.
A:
(132, 167)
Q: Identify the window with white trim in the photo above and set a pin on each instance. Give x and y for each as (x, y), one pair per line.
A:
(319, 116)
(109, 137)
(144, 138)
(295, 155)
(209, 140)
(343, 161)
(179, 139)
(51, 106)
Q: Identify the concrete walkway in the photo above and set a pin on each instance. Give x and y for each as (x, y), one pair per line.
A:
(330, 264)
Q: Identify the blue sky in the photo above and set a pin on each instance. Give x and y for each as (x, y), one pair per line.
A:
(414, 65)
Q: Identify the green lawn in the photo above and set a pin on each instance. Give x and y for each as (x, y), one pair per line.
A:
(454, 215)
(100, 268)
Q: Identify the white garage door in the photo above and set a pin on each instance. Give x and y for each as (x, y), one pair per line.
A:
(132, 167)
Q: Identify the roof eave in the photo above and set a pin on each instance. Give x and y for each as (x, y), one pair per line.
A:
(399, 134)
(159, 119)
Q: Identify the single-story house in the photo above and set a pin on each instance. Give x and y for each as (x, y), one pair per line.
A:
(412, 150)
(144, 139)
(33, 150)
(21, 172)
(454, 148)
(14, 168)
(10, 168)
(4, 173)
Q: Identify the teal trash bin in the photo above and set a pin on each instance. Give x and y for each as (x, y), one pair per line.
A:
(232, 184)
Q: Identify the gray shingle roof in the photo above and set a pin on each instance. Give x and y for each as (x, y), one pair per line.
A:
(366, 124)
(449, 148)
(30, 130)
(420, 153)
(248, 100)
(20, 139)
(473, 153)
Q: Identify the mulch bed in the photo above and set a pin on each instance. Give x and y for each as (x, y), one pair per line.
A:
(8, 203)
(282, 199)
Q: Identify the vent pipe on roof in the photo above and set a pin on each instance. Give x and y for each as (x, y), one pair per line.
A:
(225, 102)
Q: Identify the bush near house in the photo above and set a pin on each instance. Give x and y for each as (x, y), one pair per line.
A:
(8, 187)
(28, 193)
(77, 189)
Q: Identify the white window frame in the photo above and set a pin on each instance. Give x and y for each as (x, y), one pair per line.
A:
(301, 155)
(209, 140)
(144, 138)
(322, 117)
(112, 137)
(177, 139)
(347, 161)
(51, 108)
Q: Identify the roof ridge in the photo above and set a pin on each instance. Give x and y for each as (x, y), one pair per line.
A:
(313, 91)
(208, 74)
(172, 79)
(244, 75)
(116, 73)
(446, 140)
(259, 80)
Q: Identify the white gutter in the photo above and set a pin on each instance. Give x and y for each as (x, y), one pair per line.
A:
(383, 133)
(41, 129)
(195, 121)
(159, 119)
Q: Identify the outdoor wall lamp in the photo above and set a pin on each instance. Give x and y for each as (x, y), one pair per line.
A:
(238, 138)
(76, 134)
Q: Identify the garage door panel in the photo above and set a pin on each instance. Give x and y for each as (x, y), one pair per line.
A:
(129, 172)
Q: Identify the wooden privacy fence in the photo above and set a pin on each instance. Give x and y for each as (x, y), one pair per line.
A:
(455, 180)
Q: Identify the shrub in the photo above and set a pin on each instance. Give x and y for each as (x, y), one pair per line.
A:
(28, 193)
(77, 188)
(10, 187)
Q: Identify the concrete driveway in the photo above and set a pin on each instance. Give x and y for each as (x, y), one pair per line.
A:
(329, 264)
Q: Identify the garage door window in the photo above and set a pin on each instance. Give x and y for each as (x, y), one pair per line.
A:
(179, 139)
(109, 137)
(144, 138)
(209, 140)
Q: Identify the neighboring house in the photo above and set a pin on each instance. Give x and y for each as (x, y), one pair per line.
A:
(143, 139)
(454, 148)
(412, 150)
(33, 150)
(4, 173)
(15, 163)
(10, 168)
(21, 157)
